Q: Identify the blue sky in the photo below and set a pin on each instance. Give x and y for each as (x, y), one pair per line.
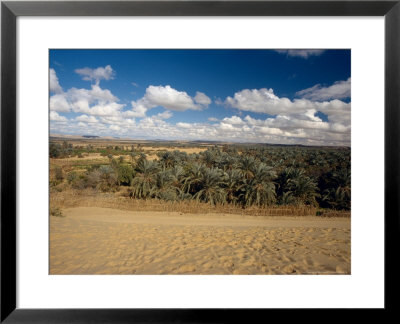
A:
(267, 96)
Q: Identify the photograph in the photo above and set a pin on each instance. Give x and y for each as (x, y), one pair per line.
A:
(199, 161)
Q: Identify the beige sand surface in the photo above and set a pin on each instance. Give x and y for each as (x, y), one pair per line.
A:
(108, 241)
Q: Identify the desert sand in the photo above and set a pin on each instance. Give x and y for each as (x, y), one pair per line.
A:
(91, 240)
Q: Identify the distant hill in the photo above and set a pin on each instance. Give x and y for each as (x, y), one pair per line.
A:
(176, 142)
(90, 136)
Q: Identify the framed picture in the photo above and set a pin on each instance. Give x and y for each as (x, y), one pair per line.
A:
(128, 90)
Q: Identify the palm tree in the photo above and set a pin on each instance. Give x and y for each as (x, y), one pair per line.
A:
(124, 174)
(342, 178)
(167, 159)
(284, 178)
(287, 198)
(163, 179)
(247, 165)
(262, 172)
(144, 182)
(303, 188)
(133, 155)
(192, 178)
(338, 199)
(233, 185)
(209, 157)
(210, 184)
(163, 188)
(260, 189)
(336, 189)
(177, 174)
(145, 166)
(227, 162)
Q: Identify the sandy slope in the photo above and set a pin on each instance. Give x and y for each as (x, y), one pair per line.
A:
(108, 241)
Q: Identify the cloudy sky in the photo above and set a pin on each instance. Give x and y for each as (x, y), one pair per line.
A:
(264, 96)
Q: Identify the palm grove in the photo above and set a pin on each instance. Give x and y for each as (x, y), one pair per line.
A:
(242, 175)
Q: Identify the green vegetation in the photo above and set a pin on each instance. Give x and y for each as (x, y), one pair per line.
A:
(66, 149)
(240, 175)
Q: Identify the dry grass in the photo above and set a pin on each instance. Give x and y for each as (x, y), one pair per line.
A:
(152, 153)
(78, 164)
(85, 157)
(188, 150)
(88, 159)
(92, 198)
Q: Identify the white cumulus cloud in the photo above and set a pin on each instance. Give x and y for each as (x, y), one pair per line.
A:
(97, 74)
(202, 99)
(285, 121)
(53, 83)
(94, 101)
(164, 115)
(265, 101)
(338, 90)
(292, 119)
(54, 116)
(168, 98)
(59, 102)
(87, 119)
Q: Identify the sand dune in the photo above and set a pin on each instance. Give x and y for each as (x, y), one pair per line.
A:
(108, 241)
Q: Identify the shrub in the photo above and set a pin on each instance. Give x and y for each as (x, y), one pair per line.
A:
(124, 174)
(56, 211)
(59, 174)
(80, 182)
(55, 150)
(93, 179)
(72, 176)
(108, 179)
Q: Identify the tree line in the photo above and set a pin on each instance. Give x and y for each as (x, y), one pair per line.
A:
(239, 175)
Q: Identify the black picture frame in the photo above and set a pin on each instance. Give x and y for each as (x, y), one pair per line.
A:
(10, 10)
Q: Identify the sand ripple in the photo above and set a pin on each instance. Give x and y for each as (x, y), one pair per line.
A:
(106, 241)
